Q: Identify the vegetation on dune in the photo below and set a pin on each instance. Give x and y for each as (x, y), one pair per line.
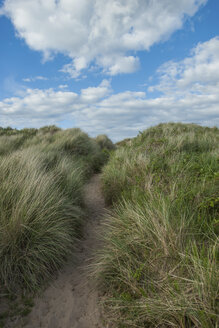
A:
(158, 266)
(104, 142)
(10, 143)
(37, 221)
(124, 142)
(42, 173)
(159, 263)
(9, 131)
(106, 146)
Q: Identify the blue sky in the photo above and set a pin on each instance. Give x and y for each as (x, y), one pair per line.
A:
(113, 66)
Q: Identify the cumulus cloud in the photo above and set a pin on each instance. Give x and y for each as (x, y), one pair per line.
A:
(100, 32)
(93, 94)
(37, 102)
(189, 94)
(198, 73)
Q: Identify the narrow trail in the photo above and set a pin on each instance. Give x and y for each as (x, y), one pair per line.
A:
(71, 301)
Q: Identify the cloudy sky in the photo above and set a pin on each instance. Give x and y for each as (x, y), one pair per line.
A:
(112, 66)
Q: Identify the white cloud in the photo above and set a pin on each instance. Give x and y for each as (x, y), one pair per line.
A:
(70, 70)
(37, 102)
(104, 32)
(119, 115)
(63, 86)
(93, 94)
(119, 65)
(36, 78)
(198, 73)
(27, 79)
(187, 96)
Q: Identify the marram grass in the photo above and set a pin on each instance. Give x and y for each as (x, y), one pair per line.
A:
(37, 223)
(159, 263)
(42, 174)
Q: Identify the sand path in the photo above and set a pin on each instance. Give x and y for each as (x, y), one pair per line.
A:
(71, 301)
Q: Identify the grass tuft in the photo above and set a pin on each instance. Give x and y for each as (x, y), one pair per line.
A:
(159, 263)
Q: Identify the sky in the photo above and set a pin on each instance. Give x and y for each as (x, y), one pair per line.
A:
(112, 67)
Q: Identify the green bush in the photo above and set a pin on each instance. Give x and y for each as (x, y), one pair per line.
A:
(158, 266)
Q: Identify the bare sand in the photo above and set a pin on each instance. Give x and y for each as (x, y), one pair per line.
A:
(71, 300)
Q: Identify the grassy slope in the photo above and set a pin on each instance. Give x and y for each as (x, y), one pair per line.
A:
(42, 173)
(158, 267)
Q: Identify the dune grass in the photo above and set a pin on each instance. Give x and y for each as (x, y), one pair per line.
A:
(42, 174)
(37, 221)
(104, 142)
(159, 263)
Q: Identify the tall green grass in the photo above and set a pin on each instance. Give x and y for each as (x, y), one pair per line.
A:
(37, 225)
(159, 263)
(72, 142)
(42, 174)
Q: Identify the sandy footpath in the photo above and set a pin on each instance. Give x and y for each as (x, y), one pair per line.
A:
(71, 300)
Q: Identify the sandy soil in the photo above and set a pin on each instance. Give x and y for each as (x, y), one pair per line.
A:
(71, 301)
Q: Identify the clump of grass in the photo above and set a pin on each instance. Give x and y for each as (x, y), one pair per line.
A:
(104, 142)
(78, 144)
(13, 139)
(72, 173)
(71, 142)
(126, 141)
(10, 143)
(48, 129)
(37, 223)
(106, 146)
(158, 266)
